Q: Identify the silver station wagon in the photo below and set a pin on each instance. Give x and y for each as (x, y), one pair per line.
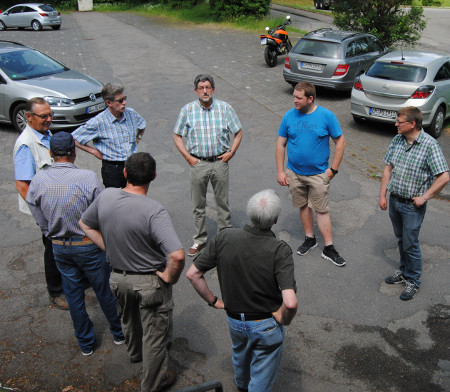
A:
(26, 73)
(34, 15)
(405, 78)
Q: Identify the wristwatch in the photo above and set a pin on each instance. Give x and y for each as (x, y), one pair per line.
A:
(334, 171)
(139, 137)
(213, 302)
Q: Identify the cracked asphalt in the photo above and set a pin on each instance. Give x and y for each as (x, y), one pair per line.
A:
(352, 333)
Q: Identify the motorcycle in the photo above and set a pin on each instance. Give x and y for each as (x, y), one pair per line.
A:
(277, 41)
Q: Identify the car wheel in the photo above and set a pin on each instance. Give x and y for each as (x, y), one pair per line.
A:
(36, 26)
(316, 4)
(56, 27)
(437, 124)
(19, 119)
(2, 26)
(321, 5)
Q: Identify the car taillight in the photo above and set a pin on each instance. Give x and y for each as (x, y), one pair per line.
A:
(287, 63)
(341, 69)
(42, 14)
(357, 85)
(59, 13)
(423, 92)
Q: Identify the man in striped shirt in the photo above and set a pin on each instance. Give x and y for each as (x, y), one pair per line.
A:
(57, 197)
(208, 125)
(415, 171)
(115, 133)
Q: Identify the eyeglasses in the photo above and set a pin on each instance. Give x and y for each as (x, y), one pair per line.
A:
(402, 122)
(44, 116)
(207, 88)
(121, 100)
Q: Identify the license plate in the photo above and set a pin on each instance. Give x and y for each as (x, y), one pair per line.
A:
(95, 108)
(263, 41)
(382, 113)
(313, 66)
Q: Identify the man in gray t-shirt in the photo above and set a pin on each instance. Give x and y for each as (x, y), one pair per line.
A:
(137, 234)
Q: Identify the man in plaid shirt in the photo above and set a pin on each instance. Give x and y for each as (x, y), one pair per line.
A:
(207, 124)
(415, 171)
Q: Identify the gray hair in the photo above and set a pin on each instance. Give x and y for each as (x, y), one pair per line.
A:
(109, 91)
(29, 105)
(204, 78)
(263, 209)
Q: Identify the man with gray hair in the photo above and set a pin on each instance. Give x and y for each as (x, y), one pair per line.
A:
(207, 124)
(115, 133)
(256, 277)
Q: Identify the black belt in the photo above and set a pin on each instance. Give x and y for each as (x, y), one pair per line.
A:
(115, 163)
(118, 271)
(209, 159)
(402, 199)
(249, 316)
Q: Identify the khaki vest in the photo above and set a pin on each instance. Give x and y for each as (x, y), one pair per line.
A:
(41, 156)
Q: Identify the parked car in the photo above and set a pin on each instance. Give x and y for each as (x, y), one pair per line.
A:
(331, 58)
(405, 78)
(34, 15)
(322, 4)
(25, 73)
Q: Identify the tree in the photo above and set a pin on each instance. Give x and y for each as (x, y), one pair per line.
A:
(386, 19)
(235, 9)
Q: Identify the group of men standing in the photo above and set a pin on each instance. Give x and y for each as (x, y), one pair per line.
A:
(122, 236)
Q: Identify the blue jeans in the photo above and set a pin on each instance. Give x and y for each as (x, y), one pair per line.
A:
(73, 262)
(406, 220)
(257, 350)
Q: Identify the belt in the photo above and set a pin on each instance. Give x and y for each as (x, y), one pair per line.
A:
(72, 241)
(119, 271)
(249, 316)
(115, 163)
(209, 159)
(402, 199)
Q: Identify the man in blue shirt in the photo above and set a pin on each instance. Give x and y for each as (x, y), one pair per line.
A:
(31, 154)
(115, 133)
(305, 132)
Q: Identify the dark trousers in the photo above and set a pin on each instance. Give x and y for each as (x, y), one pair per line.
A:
(112, 174)
(52, 275)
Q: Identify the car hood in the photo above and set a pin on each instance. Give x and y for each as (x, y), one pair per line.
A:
(68, 84)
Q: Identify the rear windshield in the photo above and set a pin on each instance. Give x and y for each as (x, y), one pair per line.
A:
(309, 47)
(398, 72)
(28, 64)
(46, 8)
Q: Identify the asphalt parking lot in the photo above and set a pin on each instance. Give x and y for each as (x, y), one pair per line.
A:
(352, 333)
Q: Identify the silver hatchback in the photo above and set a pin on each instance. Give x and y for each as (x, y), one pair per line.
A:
(331, 58)
(26, 73)
(34, 15)
(405, 78)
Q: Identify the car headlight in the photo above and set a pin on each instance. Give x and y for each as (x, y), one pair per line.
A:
(56, 101)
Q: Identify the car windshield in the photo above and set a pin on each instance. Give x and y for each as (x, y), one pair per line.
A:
(47, 8)
(28, 64)
(311, 47)
(397, 71)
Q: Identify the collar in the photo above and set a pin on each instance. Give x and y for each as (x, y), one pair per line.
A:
(420, 138)
(257, 231)
(41, 136)
(60, 165)
(212, 104)
(112, 119)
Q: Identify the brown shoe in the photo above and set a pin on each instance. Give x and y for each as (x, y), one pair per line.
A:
(60, 302)
(169, 380)
(194, 249)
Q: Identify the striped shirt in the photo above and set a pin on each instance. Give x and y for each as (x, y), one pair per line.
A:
(207, 130)
(57, 198)
(114, 138)
(414, 166)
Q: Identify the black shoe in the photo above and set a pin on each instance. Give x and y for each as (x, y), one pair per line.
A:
(409, 292)
(330, 253)
(310, 243)
(396, 278)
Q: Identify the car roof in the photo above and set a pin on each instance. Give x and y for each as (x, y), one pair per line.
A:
(328, 34)
(29, 4)
(416, 57)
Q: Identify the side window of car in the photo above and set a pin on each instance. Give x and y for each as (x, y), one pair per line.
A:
(28, 9)
(357, 47)
(352, 49)
(374, 44)
(443, 73)
(16, 10)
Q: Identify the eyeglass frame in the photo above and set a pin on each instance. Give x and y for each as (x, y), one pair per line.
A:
(44, 116)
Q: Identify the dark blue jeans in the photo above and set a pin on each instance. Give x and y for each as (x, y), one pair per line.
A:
(407, 220)
(74, 261)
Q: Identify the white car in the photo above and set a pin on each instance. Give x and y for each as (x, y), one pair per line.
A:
(34, 15)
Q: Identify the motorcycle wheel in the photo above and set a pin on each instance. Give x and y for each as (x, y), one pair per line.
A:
(270, 56)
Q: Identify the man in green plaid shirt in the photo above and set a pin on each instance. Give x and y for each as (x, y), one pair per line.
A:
(207, 124)
(415, 171)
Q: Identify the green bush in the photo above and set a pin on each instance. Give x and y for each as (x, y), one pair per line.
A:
(229, 10)
(180, 4)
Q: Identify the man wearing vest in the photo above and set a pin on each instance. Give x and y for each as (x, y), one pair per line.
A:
(31, 154)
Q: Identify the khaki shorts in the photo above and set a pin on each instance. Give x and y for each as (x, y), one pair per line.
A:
(309, 190)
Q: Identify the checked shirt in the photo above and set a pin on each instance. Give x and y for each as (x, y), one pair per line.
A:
(414, 166)
(207, 129)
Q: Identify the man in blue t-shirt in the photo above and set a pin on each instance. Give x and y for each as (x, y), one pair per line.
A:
(304, 132)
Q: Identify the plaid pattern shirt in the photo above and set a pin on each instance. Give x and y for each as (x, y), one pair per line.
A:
(207, 129)
(414, 166)
(57, 198)
(114, 138)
